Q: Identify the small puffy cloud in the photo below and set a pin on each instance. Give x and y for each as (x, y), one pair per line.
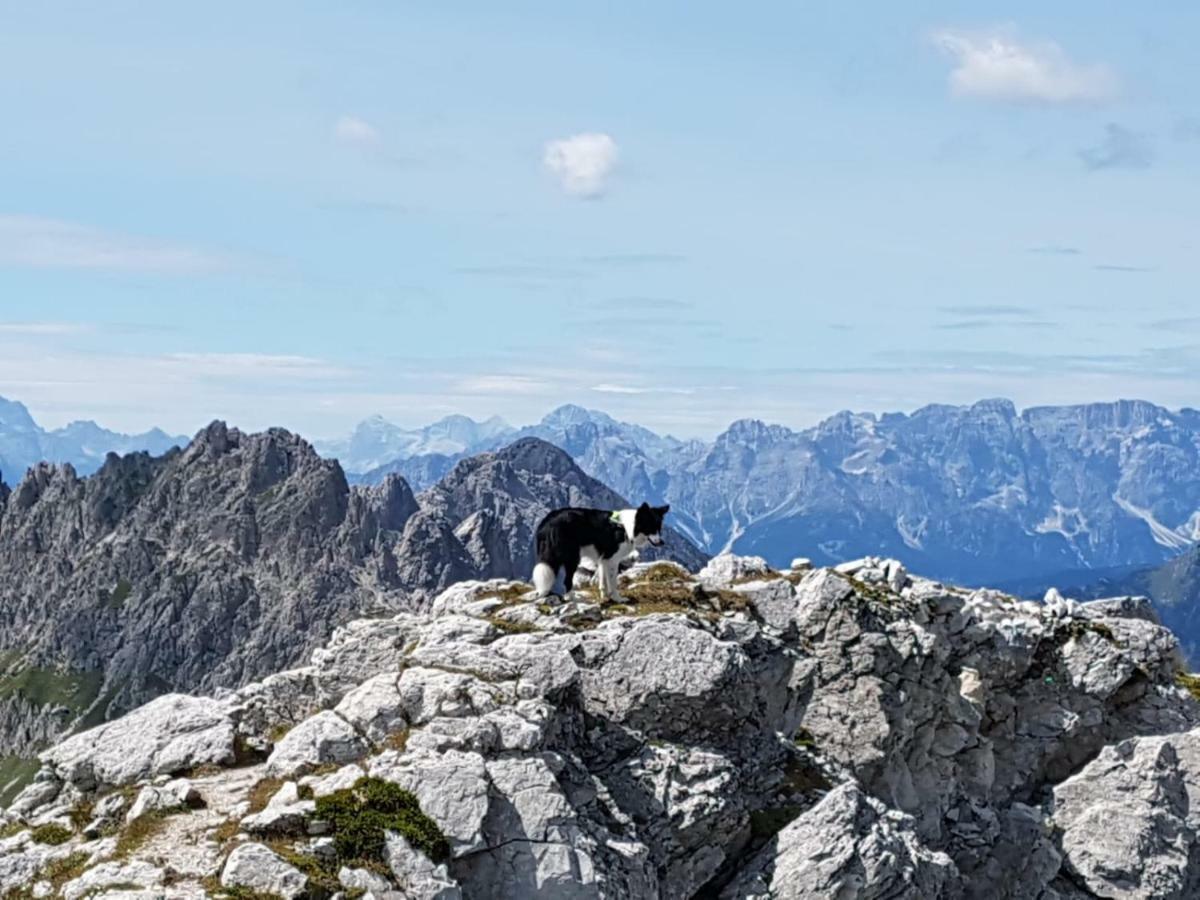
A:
(1121, 148)
(995, 65)
(582, 163)
(355, 132)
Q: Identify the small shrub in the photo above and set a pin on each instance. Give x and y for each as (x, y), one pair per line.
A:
(360, 815)
(7, 831)
(51, 834)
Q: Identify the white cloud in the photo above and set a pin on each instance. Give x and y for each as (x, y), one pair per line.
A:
(501, 384)
(241, 365)
(995, 65)
(582, 163)
(607, 388)
(355, 131)
(44, 329)
(42, 243)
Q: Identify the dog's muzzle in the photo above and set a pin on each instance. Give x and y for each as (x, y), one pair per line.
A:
(655, 541)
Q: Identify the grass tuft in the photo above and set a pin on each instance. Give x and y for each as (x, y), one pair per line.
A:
(359, 816)
(51, 833)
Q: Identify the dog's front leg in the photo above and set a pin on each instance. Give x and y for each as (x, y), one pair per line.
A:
(610, 584)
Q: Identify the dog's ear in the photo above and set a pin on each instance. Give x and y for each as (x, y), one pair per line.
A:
(663, 510)
(644, 506)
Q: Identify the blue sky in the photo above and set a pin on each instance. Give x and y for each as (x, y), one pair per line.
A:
(305, 213)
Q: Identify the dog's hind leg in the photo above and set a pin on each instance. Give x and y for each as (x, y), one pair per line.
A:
(544, 577)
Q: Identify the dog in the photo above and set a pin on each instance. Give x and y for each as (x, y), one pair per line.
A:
(603, 537)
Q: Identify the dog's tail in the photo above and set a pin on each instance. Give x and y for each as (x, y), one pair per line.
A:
(543, 579)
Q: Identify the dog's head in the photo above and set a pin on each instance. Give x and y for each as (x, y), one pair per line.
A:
(647, 525)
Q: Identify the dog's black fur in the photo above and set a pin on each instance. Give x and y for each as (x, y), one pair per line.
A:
(566, 535)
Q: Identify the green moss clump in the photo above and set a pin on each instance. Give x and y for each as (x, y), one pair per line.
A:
(359, 816)
(51, 833)
(7, 831)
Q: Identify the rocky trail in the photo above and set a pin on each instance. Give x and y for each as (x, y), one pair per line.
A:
(740, 732)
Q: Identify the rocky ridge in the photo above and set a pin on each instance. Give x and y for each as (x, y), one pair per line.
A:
(740, 732)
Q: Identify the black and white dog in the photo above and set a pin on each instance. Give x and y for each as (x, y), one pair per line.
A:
(601, 536)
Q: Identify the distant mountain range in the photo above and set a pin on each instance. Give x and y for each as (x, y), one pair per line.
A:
(975, 494)
(23, 443)
(979, 494)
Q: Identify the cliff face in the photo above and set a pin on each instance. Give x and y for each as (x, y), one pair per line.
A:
(234, 558)
(736, 733)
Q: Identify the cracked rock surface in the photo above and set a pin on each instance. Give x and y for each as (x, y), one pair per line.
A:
(855, 732)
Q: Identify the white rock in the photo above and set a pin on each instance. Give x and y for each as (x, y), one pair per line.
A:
(169, 734)
(374, 707)
(285, 812)
(801, 564)
(113, 874)
(323, 738)
(728, 567)
(254, 866)
(176, 793)
(416, 874)
(323, 785)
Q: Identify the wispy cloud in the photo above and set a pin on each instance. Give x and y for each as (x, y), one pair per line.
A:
(522, 271)
(506, 383)
(635, 390)
(633, 259)
(355, 132)
(1121, 148)
(1055, 250)
(1183, 322)
(44, 329)
(654, 304)
(986, 324)
(997, 65)
(582, 163)
(242, 365)
(43, 243)
(983, 310)
(1115, 268)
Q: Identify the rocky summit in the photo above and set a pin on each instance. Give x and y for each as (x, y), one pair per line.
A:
(736, 732)
(236, 557)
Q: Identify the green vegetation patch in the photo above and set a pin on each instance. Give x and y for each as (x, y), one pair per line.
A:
(60, 871)
(15, 773)
(51, 833)
(47, 687)
(359, 816)
(1189, 682)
